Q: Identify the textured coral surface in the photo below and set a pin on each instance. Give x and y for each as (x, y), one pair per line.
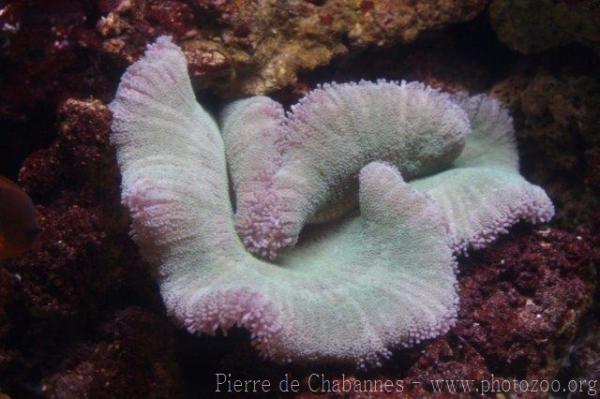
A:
(81, 315)
(290, 169)
(347, 293)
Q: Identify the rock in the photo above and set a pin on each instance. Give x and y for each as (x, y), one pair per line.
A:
(584, 361)
(533, 26)
(45, 59)
(241, 47)
(523, 299)
(83, 271)
(557, 128)
(54, 51)
(128, 360)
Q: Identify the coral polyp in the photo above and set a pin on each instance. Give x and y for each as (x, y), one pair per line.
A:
(352, 290)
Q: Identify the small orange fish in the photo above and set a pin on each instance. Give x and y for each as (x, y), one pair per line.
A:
(19, 228)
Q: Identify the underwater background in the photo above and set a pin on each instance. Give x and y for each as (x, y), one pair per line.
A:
(80, 313)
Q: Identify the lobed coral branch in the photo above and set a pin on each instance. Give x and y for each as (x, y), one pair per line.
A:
(172, 162)
(322, 144)
(483, 194)
(336, 129)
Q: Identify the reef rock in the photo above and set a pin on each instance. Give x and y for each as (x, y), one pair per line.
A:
(247, 47)
(130, 347)
(81, 273)
(532, 26)
(557, 129)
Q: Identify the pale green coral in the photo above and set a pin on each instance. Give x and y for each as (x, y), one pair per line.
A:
(349, 291)
(328, 298)
(285, 169)
(483, 194)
